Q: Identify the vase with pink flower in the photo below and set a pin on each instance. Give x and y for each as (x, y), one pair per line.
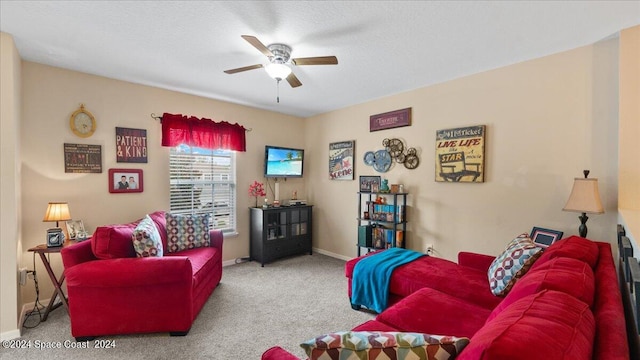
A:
(257, 190)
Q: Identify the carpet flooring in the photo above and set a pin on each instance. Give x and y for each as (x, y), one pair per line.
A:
(253, 309)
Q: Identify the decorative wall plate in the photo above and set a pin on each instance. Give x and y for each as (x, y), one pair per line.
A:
(369, 158)
(383, 161)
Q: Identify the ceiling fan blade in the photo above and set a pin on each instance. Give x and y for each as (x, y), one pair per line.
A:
(318, 60)
(237, 70)
(258, 45)
(293, 81)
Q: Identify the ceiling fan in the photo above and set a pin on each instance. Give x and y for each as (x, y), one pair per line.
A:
(279, 56)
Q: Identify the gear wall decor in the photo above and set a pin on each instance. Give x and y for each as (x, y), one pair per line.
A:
(396, 148)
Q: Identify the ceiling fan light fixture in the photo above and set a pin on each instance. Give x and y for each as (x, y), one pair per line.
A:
(278, 71)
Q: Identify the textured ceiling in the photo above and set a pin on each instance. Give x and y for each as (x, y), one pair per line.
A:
(383, 47)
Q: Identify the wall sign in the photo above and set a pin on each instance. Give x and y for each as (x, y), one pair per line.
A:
(389, 120)
(131, 145)
(82, 158)
(460, 154)
(341, 160)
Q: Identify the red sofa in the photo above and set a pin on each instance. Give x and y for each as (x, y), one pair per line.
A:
(111, 291)
(567, 306)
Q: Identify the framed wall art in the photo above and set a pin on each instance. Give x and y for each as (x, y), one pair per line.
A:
(82, 158)
(369, 183)
(125, 180)
(131, 145)
(341, 160)
(545, 237)
(390, 120)
(460, 154)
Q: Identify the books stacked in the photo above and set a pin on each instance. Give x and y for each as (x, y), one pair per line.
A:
(387, 213)
(383, 238)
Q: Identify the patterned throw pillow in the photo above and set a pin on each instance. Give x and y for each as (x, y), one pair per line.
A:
(378, 345)
(146, 239)
(512, 264)
(187, 231)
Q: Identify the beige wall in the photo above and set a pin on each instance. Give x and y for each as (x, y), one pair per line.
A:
(52, 94)
(629, 168)
(547, 120)
(10, 245)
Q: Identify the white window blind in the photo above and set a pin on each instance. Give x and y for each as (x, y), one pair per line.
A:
(202, 181)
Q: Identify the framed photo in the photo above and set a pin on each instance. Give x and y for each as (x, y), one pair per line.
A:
(367, 183)
(545, 237)
(125, 180)
(74, 227)
(341, 160)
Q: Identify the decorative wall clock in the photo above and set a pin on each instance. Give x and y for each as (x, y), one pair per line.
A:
(82, 122)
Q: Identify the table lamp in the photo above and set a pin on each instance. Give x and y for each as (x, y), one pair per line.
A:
(56, 211)
(584, 198)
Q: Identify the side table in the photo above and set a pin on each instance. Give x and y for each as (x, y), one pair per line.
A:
(43, 250)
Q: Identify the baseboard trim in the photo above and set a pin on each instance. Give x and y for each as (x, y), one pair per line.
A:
(10, 335)
(315, 250)
(16, 333)
(229, 262)
(330, 254)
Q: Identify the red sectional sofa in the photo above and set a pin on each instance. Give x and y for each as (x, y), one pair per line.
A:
(567, 306)
(111, 291)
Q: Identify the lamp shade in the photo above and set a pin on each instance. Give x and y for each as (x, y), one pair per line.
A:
(585, 197)
(278, 71)
(57, 211)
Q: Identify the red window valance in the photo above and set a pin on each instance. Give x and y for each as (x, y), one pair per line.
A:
(204, 133)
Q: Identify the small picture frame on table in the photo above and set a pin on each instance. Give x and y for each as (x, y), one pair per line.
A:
(367, 183)
(545, 237)
(75, 228)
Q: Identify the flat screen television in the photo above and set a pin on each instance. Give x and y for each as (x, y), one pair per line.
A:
(283, 162)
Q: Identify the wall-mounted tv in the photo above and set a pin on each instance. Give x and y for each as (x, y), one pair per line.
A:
(283, 162)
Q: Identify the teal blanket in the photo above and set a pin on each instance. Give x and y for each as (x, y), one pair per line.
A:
(372, 275)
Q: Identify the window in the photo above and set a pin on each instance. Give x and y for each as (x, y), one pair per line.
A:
(202, 181)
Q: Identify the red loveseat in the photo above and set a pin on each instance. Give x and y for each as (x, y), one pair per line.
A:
(111, 291)
(567, 306)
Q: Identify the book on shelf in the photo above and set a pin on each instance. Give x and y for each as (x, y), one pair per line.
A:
(384, 238)
(401, 213)
(379, 241)
(383, 212)
(365, 236)
(400, 238)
